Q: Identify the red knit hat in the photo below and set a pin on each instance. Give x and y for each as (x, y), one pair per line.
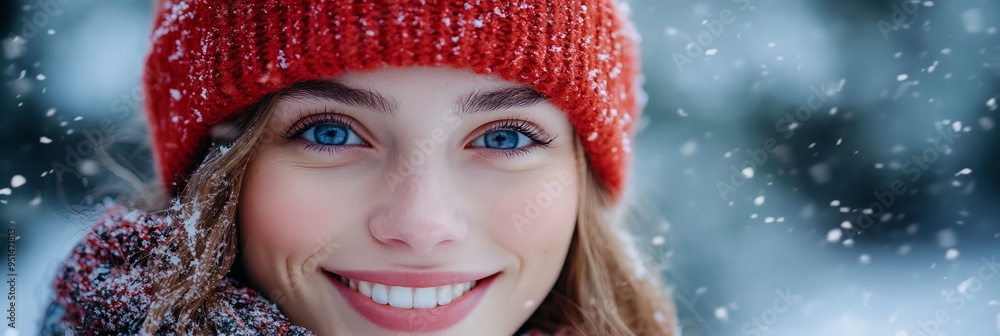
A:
(211, 58)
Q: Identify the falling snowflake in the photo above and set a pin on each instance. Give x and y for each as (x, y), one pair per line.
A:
(722, 314)
(834, 235)
(952, 254)
(17, 181)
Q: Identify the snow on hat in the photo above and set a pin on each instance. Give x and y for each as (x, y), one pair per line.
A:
(211, 58)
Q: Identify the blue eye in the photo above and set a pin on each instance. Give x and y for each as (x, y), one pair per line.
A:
(503, 139)
(331, 135)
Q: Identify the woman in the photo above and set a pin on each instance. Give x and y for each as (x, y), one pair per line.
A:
(370, 168)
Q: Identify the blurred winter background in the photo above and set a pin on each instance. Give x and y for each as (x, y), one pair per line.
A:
(821, 167)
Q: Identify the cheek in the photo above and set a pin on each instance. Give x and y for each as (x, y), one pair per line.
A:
(286, 218)
(537, 217)
(273, 211)
(533, 220)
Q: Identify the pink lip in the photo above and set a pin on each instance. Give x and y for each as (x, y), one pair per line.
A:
(419, 320)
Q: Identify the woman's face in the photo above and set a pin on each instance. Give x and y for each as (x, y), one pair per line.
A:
(409, 184)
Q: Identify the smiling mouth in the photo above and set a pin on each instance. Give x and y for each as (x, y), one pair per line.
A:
(408, 297)
(421, 302)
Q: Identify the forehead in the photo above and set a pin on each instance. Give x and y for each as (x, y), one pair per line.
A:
(440, 80)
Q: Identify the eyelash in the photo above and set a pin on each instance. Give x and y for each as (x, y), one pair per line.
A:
(310, 120)
(316, 119)
(539, 138)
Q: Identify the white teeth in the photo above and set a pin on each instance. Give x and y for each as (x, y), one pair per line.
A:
(443, 295)
(401, 297)
(407, 297)
(425, 297)
(365, 288)
(380, 294)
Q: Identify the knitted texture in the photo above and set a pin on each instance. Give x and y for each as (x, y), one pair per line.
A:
(210, 58)
(105, 286)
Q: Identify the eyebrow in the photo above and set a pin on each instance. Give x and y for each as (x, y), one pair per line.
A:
(475, 102)
(499, 99)
(336, 91)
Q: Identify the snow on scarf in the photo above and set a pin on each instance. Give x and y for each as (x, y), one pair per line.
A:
(104, 287)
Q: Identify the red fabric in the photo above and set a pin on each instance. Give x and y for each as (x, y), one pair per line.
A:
(105, 286)
(209, 58)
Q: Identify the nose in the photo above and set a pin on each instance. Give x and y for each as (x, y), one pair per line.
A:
(420, 215)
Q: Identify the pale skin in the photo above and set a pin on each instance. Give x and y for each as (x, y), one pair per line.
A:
(414, 185)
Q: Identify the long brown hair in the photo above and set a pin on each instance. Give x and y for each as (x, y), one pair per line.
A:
(598, 292)
(205, 210)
